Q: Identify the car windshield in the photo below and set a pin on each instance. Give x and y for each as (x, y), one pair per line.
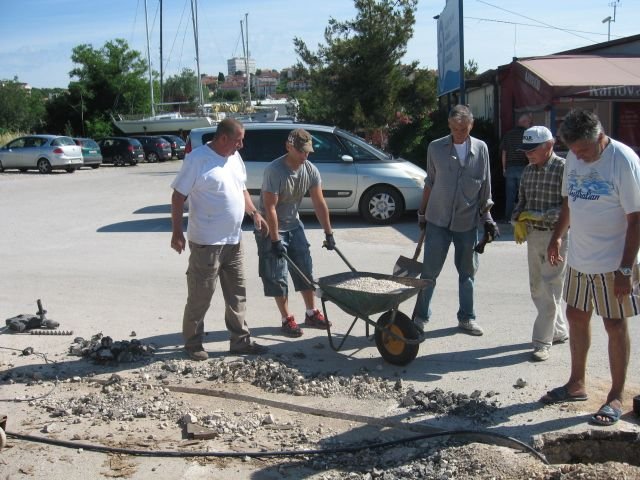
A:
(89, 143)
(360, 147)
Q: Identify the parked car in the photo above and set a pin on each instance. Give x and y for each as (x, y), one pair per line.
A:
(91, 154)
(156, 149)
(356, 176)
(121, 150)
(42, 152)
(177, 145)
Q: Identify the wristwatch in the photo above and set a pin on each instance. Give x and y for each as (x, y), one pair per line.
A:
(626, 271)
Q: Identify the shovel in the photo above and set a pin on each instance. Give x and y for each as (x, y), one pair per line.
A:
(410, 267)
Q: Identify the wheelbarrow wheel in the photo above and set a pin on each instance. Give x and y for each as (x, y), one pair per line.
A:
(394, 350)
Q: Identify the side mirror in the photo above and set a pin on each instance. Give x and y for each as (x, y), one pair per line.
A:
(346, 158)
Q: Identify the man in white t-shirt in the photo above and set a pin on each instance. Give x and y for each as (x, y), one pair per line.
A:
(213, 176)
(601, 190)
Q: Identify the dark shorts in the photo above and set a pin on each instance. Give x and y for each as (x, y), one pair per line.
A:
(273, 270)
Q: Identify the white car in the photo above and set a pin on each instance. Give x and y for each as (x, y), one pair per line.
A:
(42, 152)
(356, 176)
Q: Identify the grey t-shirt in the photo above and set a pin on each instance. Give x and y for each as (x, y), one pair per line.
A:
(290, 186)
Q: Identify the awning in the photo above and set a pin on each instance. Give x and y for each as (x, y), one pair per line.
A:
(590, 76)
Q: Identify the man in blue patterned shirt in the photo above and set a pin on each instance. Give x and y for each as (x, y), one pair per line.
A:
(540, 198)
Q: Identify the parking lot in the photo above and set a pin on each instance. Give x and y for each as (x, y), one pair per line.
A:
(94, 247)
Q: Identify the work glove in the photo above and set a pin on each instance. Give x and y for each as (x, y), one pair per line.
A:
(329, 241)
(491, 230)
(422, 221)
(277, 248)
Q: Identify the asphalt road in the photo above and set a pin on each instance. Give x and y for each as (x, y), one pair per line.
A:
(94, 246)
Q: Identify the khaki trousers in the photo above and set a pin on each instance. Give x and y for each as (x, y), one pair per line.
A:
(545, 283)
(207, 263)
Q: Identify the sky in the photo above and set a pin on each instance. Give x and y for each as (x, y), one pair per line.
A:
(38, 35)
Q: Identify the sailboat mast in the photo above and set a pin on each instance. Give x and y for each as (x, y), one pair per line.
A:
(194, 18)
(146, 23)
(246, 25)
(161, 60)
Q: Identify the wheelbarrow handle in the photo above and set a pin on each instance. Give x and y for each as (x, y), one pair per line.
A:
(292, 264)
(344, 259)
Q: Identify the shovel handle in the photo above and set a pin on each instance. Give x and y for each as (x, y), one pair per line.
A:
(291, 263)
(423, 232)
(344, 259)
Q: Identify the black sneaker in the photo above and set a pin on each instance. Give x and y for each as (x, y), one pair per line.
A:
(290, 328)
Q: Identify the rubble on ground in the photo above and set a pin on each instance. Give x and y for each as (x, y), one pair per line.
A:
(102, 349)
(439, 402)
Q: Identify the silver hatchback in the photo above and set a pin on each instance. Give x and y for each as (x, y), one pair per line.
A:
(356, 176)
(42, 152)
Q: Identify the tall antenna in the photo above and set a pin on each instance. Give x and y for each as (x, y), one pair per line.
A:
(610, 19)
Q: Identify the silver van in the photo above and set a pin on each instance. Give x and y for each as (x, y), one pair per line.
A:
(356, 177)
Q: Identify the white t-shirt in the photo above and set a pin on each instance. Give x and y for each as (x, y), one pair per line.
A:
(215, 188)
(600, 195)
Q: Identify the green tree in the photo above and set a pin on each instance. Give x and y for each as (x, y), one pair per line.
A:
(20, 110)
(356, 77)
(104, 81)
(184, 88)
(409, 134)
(220, 77)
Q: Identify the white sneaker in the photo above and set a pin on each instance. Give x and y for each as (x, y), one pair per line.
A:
(540, 354)
(471, 327)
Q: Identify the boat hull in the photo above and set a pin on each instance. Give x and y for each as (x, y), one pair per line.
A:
(162, 125)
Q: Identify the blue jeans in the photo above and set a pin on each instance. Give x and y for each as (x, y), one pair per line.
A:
(436, 247)
(273, 269)
(512, 185)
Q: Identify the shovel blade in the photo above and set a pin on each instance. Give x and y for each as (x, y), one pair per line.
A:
(407, 267)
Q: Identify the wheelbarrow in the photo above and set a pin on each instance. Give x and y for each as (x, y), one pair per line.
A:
(396, 336)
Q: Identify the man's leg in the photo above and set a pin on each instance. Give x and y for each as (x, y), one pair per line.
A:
(232, 282)
(619, 348)
(579, 343)
(436, 247)
(466, 261)
(545, 281)
(202, 274)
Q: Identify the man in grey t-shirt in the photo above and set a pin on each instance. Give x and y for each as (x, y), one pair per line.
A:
(285, 182)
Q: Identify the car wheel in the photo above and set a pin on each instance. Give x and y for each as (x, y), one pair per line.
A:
(118, 161)
(152, 157)
(95, 166)
(70, 169)
(381, 204)
(44, 166)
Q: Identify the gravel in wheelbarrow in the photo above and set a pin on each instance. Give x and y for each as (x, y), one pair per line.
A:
(365, 293)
